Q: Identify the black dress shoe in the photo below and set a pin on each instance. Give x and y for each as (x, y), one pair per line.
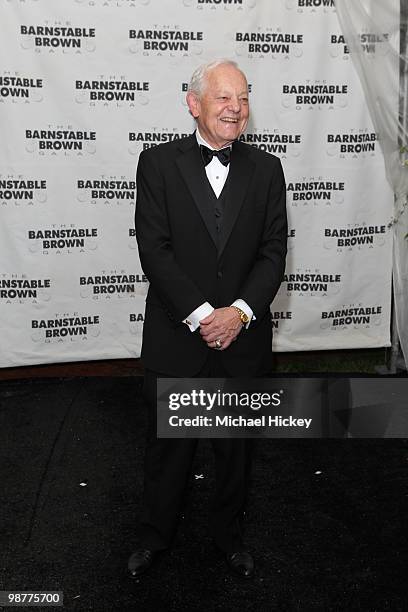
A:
(140, 561)
(241, 563)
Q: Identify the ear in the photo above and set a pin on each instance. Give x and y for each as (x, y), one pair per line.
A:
(193, 104)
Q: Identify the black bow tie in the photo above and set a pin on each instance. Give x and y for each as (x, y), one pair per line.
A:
(224, 155)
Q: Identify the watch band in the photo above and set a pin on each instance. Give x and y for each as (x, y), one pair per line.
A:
(242, 315)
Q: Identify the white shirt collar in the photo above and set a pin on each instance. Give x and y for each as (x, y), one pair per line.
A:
(201, 141)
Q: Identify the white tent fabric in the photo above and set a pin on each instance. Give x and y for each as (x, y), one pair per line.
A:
(378, 58)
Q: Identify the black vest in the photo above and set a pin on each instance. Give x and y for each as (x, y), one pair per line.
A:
(217, 206)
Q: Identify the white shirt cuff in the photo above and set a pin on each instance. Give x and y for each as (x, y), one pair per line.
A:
(193, 320)
(247, 309)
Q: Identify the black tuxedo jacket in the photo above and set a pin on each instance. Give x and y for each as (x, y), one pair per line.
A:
(175, 232)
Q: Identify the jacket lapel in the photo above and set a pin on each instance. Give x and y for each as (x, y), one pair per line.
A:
(192, 169)
(240, 173)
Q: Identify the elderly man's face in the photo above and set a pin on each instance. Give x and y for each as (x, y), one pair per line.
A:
(222, 110)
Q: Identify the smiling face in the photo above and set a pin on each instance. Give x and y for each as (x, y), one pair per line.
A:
(222, 110)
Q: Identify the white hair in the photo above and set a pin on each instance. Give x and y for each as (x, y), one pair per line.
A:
(197, 81)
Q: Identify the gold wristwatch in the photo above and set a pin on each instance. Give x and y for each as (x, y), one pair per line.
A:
(242, 315)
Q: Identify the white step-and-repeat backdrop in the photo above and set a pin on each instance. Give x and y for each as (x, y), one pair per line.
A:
(85, 85)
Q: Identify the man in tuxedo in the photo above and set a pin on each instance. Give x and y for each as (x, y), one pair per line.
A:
(211, 229)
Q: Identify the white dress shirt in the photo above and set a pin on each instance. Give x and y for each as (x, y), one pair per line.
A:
(216, 171)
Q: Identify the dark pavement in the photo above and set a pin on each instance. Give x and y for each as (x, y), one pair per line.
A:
(327, 519)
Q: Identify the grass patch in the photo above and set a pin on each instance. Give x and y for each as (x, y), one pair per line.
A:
(354, 361)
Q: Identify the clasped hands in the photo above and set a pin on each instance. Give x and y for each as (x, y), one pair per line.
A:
(221, 327)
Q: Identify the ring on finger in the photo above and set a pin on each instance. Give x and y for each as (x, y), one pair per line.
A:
(218, 344)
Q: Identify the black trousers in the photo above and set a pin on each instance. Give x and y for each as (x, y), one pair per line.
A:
(167, 470)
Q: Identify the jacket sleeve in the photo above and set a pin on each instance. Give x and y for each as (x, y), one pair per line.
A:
(176, 290)
(265, 276)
